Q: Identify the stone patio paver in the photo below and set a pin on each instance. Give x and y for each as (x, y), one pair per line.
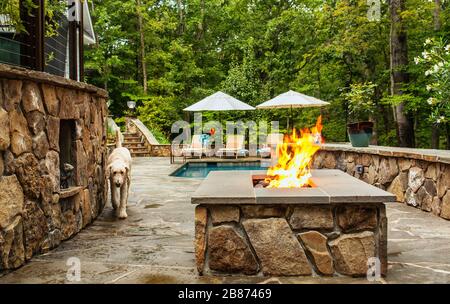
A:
(155, 243)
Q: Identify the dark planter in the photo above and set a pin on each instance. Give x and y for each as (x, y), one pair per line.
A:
(360, 133)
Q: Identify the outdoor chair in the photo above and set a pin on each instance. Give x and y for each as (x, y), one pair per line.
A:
(196, 148)
(234, 147)
(269, 148)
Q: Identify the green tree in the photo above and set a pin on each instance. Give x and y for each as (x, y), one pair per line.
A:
(255, 50)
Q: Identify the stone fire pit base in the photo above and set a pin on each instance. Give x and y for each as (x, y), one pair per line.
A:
(290, 240)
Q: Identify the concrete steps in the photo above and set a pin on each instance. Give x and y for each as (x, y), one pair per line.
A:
(131, 145)
(136, 145)
(137, 149)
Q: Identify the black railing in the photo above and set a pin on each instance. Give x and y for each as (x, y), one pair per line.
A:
(58, 51)
(10, 51)
(55, 50)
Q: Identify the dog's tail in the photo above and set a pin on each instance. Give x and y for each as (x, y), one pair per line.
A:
(118, 142)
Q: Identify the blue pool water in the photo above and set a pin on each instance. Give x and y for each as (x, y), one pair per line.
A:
(201, 170)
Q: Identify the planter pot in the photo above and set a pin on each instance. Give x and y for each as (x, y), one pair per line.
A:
(360, 133)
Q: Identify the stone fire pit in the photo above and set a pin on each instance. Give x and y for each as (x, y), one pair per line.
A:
(331, 229)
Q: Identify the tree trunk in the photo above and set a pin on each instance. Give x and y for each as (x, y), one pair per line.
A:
(448, 136)
(180, 17)
(437, 15)
(374, 140)
(142, 46)
(435, 134)
(399, 75)
(201, 24)
(375, 118)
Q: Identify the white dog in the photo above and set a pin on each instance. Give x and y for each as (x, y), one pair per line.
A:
(119, 172)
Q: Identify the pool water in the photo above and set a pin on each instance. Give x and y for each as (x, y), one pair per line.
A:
(201, 170)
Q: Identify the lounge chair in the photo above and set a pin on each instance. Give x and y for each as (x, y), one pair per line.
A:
(234, 146)
(195, 148)
(269, 148)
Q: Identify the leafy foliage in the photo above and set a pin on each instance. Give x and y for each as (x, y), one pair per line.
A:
(255, 50)
(360, 97)
(436, 58)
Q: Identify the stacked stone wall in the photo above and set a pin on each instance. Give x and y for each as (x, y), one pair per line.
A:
(418, 180)
(36, 214)
(291, 240)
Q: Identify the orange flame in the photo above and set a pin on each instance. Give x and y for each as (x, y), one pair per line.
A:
(294, 160)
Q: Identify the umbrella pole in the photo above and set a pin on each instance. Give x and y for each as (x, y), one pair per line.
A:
(287, 126)
(292, 119)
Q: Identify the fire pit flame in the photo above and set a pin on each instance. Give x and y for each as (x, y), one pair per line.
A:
(294, 158)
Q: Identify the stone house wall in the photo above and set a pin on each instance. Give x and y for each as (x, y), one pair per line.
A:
(418, 179)
(35, 213)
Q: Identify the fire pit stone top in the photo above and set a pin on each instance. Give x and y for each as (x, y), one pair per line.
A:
(332, 187)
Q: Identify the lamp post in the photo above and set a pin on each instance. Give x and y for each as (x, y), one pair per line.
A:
(132, 106)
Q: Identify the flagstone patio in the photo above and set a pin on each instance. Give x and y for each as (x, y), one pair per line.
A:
(155, 243)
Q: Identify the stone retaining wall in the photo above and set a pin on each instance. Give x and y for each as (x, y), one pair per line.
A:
(160, 150)
(419, 178)
(35, 213)
(290, 240)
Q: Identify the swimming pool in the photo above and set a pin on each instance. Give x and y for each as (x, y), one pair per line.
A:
(201, 170)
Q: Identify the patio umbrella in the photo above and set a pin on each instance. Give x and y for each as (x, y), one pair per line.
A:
(292, 99)
(219, 101)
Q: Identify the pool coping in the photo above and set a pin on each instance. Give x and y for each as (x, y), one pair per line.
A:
(213, 160)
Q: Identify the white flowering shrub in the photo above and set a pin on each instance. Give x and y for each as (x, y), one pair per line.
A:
(436, 60)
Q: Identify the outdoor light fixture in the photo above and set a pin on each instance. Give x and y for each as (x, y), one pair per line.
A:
(359, 169)
(131, 104)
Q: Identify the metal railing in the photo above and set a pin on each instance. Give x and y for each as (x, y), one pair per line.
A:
(10, 51)
(58, 51)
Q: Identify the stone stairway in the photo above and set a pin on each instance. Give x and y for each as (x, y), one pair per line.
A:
(136, 144)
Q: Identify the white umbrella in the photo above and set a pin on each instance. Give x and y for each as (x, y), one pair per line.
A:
(219, 101)
(291, 100)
